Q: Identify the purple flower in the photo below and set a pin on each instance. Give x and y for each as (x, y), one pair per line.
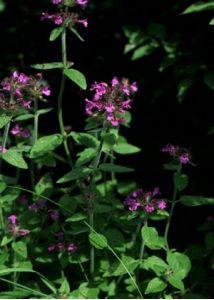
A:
(25, 133)
(51, 247)
(57, 20)
(84, 22)
(170, 148)
(46, 91)
(149, 208)
(24, 232)
(115, 81)
(177, 153)
(184, 158)
(33, 206)
(12, 219)
(82, 3)
(161, 204)
(54, 214)
(72, 248)
(56, 1)
(15, 130)
(132, 204)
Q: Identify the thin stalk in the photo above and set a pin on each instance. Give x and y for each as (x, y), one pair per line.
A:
(60, 96)
(170, 217)
(83, 271)
(142, 246)
(91, 222)
(36, 119)
(14, 276)
(4, 141)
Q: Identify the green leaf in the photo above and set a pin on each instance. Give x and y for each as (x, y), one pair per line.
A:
(84, 292)
(198, 7)
(126, 187)
(7, 271)
(49, 284)
(209, 79)
(179, 263)
(76, 217)
(183, 87)
(85, 139)
(117, 269)
(77, 77)
(155, 285)
(3, 186)
(6, 240)
(64, 288)
(209, 241)
(48, 66)
(55, 33)
(211, 21)
(176, 282)
(150, 237)
(46, 144)
(122, 148)
(75, 32)
(85, 156)
(144, 50)
(44, 186)
(195, 200)
(180, 181)
(24, 117)
(15, 159)
(20, 248)
(108, 167)
(156, 264)
(98, 240)
(172, 166)
(17, 294)
(115, 239)
(44, 111)
(10, 195)
(76, 173)
(4, 119)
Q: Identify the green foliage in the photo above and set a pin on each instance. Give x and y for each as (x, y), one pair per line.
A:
(4, 120)
(195, 200)
(180, 181)
(199, 7)
(151, 238)
(15, 158)
(46, 144)
(77, 77)
(48, 66)
(109, 167)
(98, 240)
(155, 285)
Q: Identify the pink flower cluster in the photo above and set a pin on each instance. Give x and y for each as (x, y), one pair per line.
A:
(19, 90)
(145, 200)
(69, 19)
(111, 101)
(178, 153)
(18, 131)
(40, 207)
(82, 3)
(61, 245)
(14, 228)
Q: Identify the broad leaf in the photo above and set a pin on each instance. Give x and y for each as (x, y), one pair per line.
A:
(76, 173)
(155, 264)
(77, 77)
(85, 156)
(144, 50)
(98, 240)
(180, 181)
(150, 237)
(46, 144)
(85, 139)
(155, 285)
(4, 119)
(15, 159)
(179, 263)
(20, 248)
(117, 268)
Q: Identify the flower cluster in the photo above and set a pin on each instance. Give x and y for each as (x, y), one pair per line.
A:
(177, 153)
(69, 19)
(81, 3)
(40, 207)
(61, 245)
(146, 200)
(19, 131)
(111, 101)
(19, 90)
(14, 228)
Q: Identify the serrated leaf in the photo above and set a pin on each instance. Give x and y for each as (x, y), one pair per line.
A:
(155, 285)
(46, 144)
(98, 240)
(180, 181)
(198, 7)
(55, 33)
(77, 77)
(76, 173)
(195, 200)
(20, 248)
(15, 159)
(48, 66)
(4, 119)
(179, 263)
(109, 167)
(150, 237)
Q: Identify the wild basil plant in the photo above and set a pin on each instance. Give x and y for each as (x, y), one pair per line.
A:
(91, 232)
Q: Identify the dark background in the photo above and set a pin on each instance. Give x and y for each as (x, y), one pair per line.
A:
(158, 117)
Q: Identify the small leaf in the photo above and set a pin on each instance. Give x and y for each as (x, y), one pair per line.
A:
(156, 264)
(84, 139)
(98, 240)
(155, 285)
(176, 282)
(144, 50)
(76, 217)
(76, 173)
(75, 32)
(44, 111)
(198, 7)
(55, 33)
(64, 288)
(24, 117)
(77, 77)
(44, 186)
(183, 87)
(196, 200)
(85, 156)
(15, 159)
(108, 167)
(6, 240)
(180, 181)
(117, 268)
(48, 66)
(123, 148)
(46, 144)
(211, 21)
(209, 79)
(4, 119)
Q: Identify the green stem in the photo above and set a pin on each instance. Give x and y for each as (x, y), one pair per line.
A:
(14, 278)
(60, 97)
(83, 271)
(170, 217)
(142, 246)
(4, 141)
